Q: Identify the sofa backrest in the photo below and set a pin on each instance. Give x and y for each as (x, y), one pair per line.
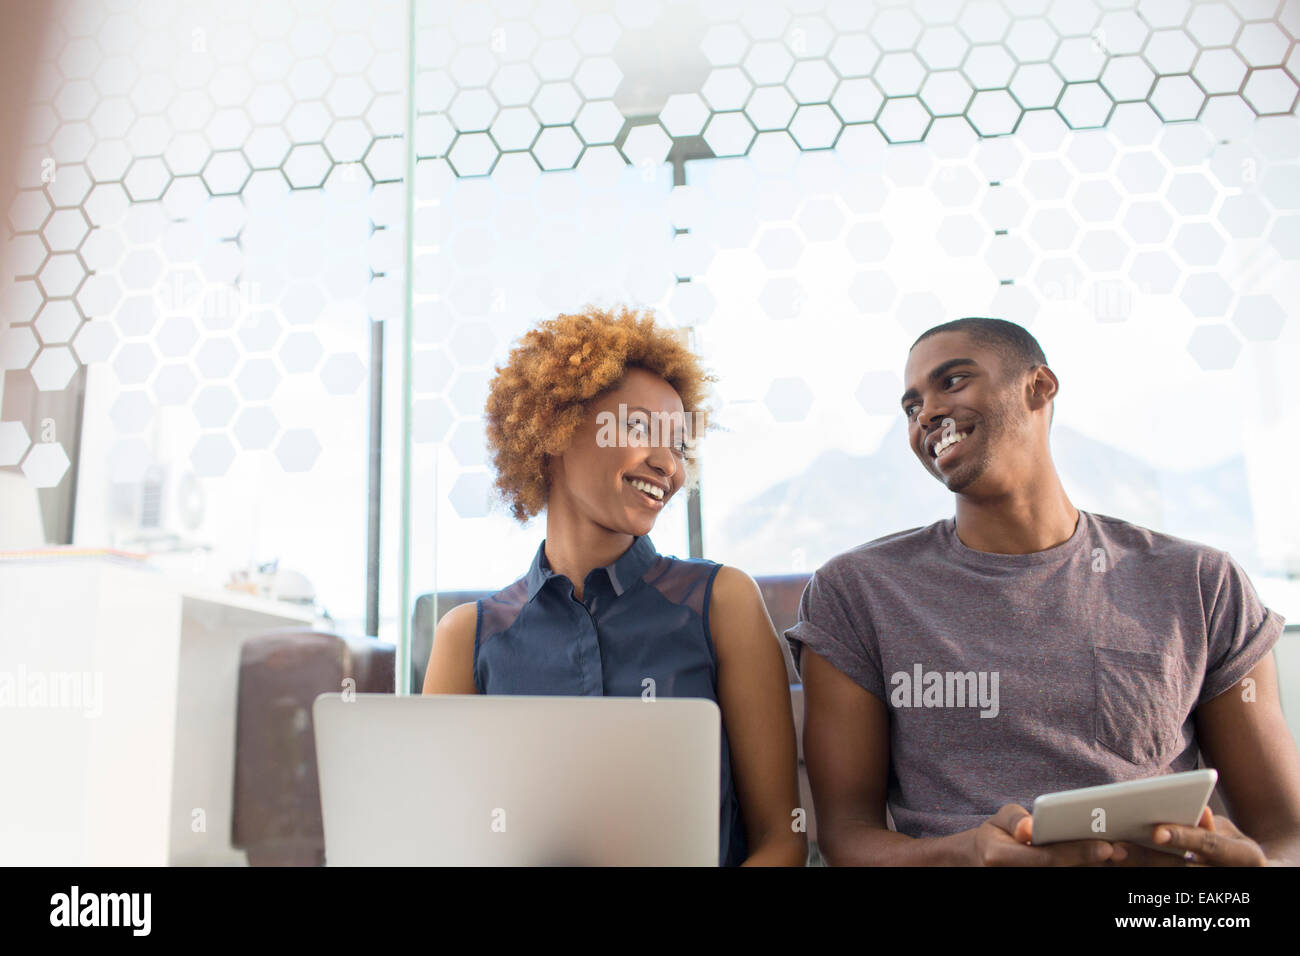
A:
(781, 594)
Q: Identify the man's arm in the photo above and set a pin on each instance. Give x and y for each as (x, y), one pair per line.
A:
(846, 749)
(1245, 737)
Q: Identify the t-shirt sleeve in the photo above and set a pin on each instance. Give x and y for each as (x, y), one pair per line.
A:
(1240, 630)
(828, 626)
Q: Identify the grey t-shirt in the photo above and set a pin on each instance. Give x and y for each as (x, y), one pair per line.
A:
(1008, 676)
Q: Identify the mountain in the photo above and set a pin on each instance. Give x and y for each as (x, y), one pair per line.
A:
(842, 500)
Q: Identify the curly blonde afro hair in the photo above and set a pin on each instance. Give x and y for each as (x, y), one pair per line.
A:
(539, 398)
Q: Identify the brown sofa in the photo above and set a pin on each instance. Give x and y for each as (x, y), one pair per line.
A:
(276, 816)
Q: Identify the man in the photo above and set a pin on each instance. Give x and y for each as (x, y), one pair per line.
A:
(954, 672)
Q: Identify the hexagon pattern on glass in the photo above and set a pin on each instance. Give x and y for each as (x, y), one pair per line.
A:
(166, 240)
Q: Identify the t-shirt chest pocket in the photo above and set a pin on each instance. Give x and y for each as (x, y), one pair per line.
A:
(1139, 704)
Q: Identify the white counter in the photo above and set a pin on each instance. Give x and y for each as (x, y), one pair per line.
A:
(118, 689)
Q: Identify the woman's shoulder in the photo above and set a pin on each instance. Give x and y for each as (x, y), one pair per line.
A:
(701, 566)
(513, 593)
(739, 623)
(725, 584)
(497, 611)
(731, 585)
(671, 572)
(458, 624)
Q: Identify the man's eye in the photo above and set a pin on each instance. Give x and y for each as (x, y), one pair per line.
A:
(953, 378)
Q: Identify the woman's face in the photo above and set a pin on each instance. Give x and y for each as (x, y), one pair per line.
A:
(633, 435)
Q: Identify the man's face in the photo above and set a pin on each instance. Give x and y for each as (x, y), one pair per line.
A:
(967, 418)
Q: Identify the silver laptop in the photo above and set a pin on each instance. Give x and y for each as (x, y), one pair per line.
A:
(469, 780)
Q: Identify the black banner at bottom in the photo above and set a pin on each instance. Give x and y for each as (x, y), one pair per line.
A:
(327, 904)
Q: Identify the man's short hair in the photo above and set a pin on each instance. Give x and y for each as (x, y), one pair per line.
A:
(1018, 349)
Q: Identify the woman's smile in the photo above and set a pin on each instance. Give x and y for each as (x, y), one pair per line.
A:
(645, 492)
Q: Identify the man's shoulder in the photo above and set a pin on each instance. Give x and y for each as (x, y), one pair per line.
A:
(900, 547)
(1142, 542)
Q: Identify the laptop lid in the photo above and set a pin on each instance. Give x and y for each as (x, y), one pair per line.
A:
(476, 780)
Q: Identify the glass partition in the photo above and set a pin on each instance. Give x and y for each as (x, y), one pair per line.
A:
(207, 241)
(807, 186)
(265, 257)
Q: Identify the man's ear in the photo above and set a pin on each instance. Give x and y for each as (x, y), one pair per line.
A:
(1043, 386)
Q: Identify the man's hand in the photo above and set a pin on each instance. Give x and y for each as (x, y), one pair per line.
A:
(1214, 841)
(1003, 840)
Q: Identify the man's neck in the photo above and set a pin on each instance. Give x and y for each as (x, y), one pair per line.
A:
(1033, 517)
(575, 546)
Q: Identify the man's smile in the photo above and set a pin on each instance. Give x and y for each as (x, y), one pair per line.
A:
(945, 444)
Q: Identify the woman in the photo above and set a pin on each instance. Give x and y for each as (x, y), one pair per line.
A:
(590, 420)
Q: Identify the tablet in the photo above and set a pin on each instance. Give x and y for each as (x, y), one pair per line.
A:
(1123, 811)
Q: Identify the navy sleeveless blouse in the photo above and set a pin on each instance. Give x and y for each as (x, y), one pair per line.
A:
(645, 615)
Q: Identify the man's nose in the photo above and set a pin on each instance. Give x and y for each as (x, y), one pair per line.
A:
(933, 413)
